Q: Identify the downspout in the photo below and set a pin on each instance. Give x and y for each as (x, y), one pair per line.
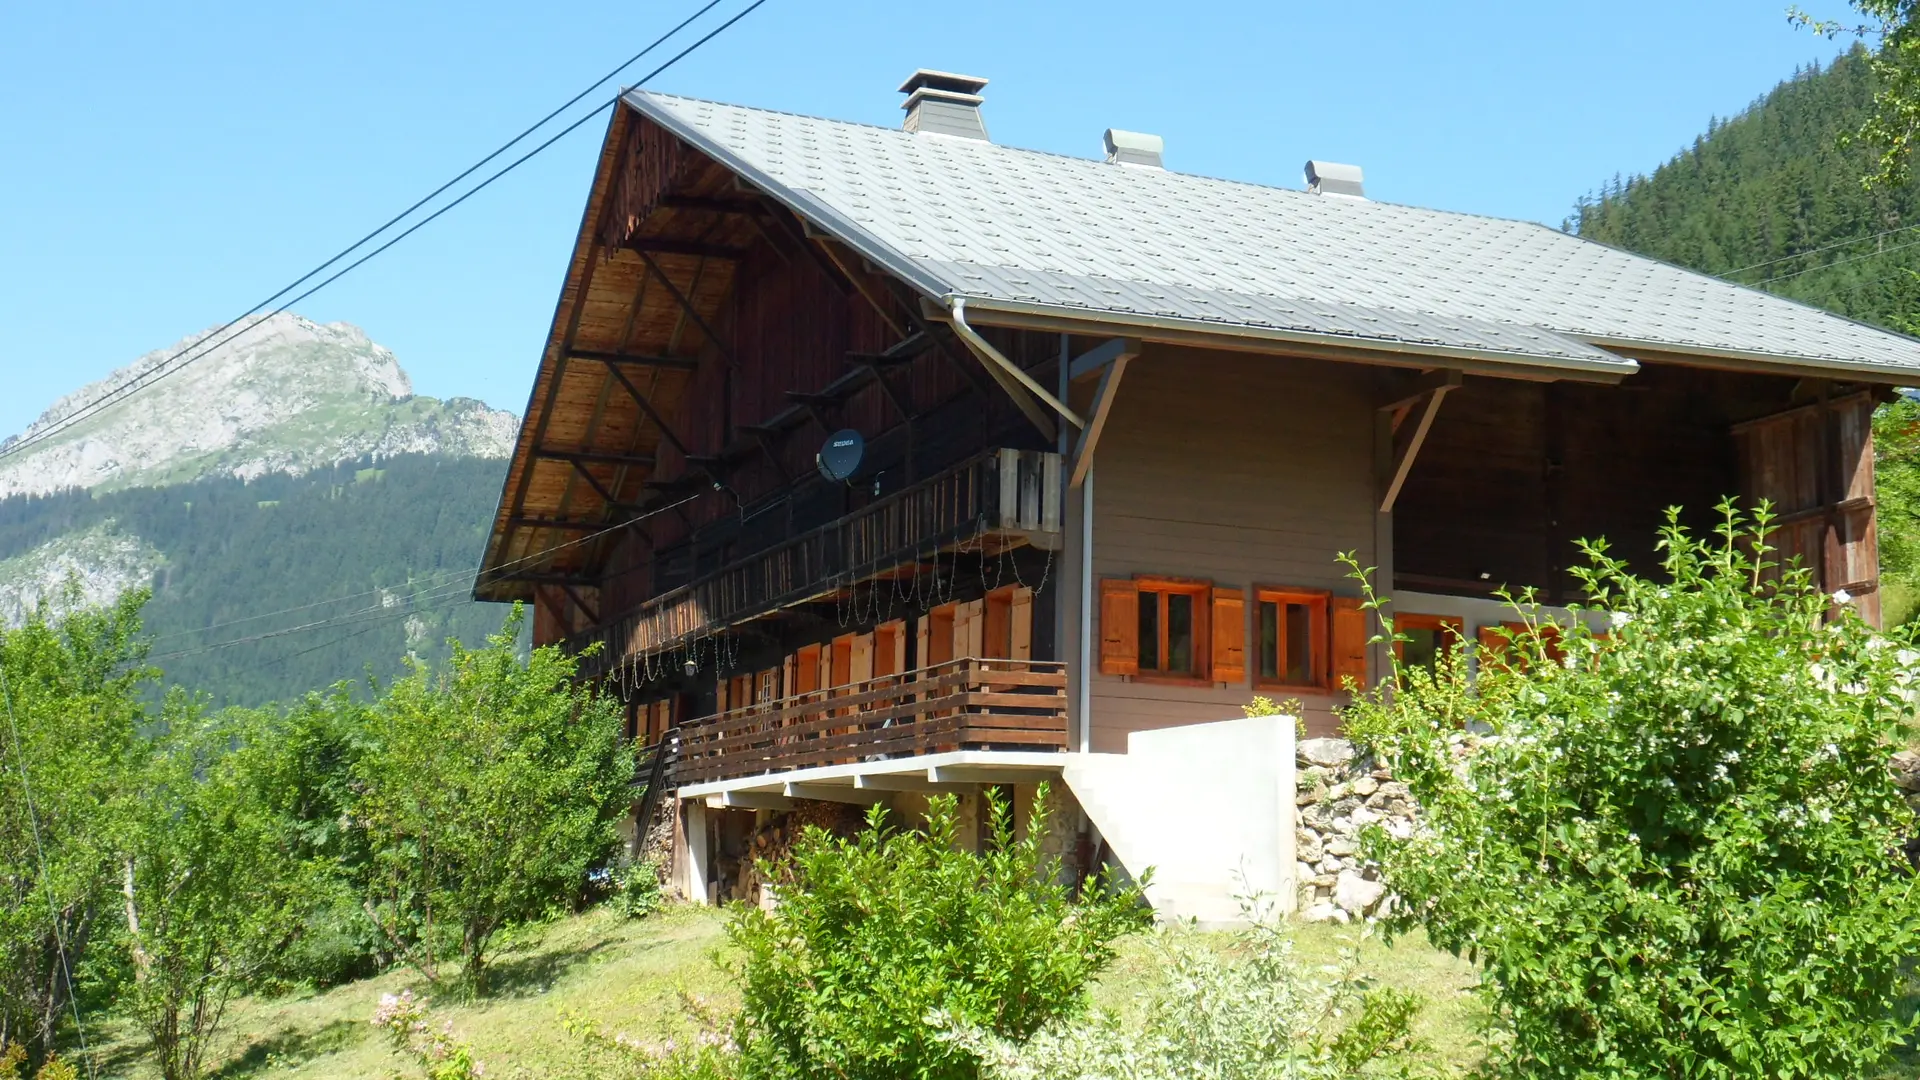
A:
(1086, 614)
(982, 348)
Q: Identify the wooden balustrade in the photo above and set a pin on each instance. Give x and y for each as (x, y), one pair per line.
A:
(966, 704)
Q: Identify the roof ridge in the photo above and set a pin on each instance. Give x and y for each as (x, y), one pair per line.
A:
(986, 144)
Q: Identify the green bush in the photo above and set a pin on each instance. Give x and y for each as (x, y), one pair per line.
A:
(488, 791)
(1674, 851)
(635, 889)
(876, 935)
(1251, 1012)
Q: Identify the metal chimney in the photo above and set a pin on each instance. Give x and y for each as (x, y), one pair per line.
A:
(1333, 178)
(1134, 148)
(942, 103)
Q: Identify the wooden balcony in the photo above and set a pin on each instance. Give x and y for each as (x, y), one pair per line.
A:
(967, 704)
(994, 501)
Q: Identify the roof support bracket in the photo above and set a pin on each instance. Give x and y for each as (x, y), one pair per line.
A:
(646, 406)
(1091, 362)
(1115, 366)
(686, 304)
(1009, 375)
(1403, 461)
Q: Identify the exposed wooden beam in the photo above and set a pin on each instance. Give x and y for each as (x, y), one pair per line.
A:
(678, 363)
(536, 577)
(659, 245)
(1103, 396)
(562, 524)
(646, 406)
(593, 614)
(880, 376)
(860, 279)
(687, 305)
(596, 457)
(606, 496)
(1091, 362)
(1403, 462)
(1408, 391)
(753, 207)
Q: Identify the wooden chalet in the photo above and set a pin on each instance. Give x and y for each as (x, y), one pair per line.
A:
(1118, 422)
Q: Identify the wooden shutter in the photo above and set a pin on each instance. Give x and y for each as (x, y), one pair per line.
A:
(860, 663)
(996, 635)
(1119, 627)
(1229, 636)
(1349, 652)
(889, 648)
(969, 619)
(1022, 620)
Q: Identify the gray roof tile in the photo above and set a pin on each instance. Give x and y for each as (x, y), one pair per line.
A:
(1020, 228)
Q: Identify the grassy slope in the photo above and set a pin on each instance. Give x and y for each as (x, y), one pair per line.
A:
(628, 976)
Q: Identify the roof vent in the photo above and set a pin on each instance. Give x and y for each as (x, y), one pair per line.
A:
(943, 103)
(1134, 148)
(1333, 178)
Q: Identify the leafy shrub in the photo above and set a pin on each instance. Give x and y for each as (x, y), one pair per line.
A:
(211, 893)
(70, 717)
(407, 1022)
(875, 934)
(1250, 1013)
(1673, 852)
(635, 889)
(489, 791)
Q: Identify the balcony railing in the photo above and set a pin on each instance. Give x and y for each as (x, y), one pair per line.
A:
(968, 704)
(1001, 498)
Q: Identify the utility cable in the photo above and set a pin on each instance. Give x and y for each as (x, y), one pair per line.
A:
(176, 362)
(433, 596)
(1821, 248)
(46, 876)
(1837, 262)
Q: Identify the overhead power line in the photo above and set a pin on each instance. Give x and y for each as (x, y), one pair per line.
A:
(1821, 248)
(199, 349)
(424, 600)
(1838, 262)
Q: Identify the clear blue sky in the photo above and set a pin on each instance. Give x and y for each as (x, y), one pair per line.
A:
(163, 166)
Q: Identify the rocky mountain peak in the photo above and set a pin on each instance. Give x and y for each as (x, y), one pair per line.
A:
(285, 395)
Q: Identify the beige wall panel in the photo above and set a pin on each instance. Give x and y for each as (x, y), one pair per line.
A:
(1240, 469)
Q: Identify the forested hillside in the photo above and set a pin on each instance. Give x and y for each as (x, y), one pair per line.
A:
(363, 563)
(1772, 198)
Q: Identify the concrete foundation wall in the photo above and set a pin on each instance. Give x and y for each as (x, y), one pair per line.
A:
(1208, 807)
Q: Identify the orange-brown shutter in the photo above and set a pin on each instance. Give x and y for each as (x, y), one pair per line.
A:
(1229, 636)
(1119, 627)
(1022, 619)
(1349, 642)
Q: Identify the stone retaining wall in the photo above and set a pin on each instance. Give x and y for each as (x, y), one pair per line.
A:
(1341, 792)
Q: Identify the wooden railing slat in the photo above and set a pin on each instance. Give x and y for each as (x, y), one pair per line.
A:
(966, 702)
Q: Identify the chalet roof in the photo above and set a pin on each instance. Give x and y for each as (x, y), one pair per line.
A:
(1028, 233)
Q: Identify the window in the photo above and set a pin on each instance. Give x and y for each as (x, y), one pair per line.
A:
(1428, 638)
(1157, 627)
(1290, 636)
(1173, 624)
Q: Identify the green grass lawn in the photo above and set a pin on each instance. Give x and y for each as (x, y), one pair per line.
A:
(629, 977)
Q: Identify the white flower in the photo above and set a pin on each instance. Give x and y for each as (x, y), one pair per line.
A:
(1619, 618)
(1906, 657)
(1842, 596)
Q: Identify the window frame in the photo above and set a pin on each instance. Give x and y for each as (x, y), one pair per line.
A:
(1200, 591)
(1319, 637)
(1416, 620)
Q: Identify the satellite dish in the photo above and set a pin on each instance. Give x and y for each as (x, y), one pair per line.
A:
(841, 455)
